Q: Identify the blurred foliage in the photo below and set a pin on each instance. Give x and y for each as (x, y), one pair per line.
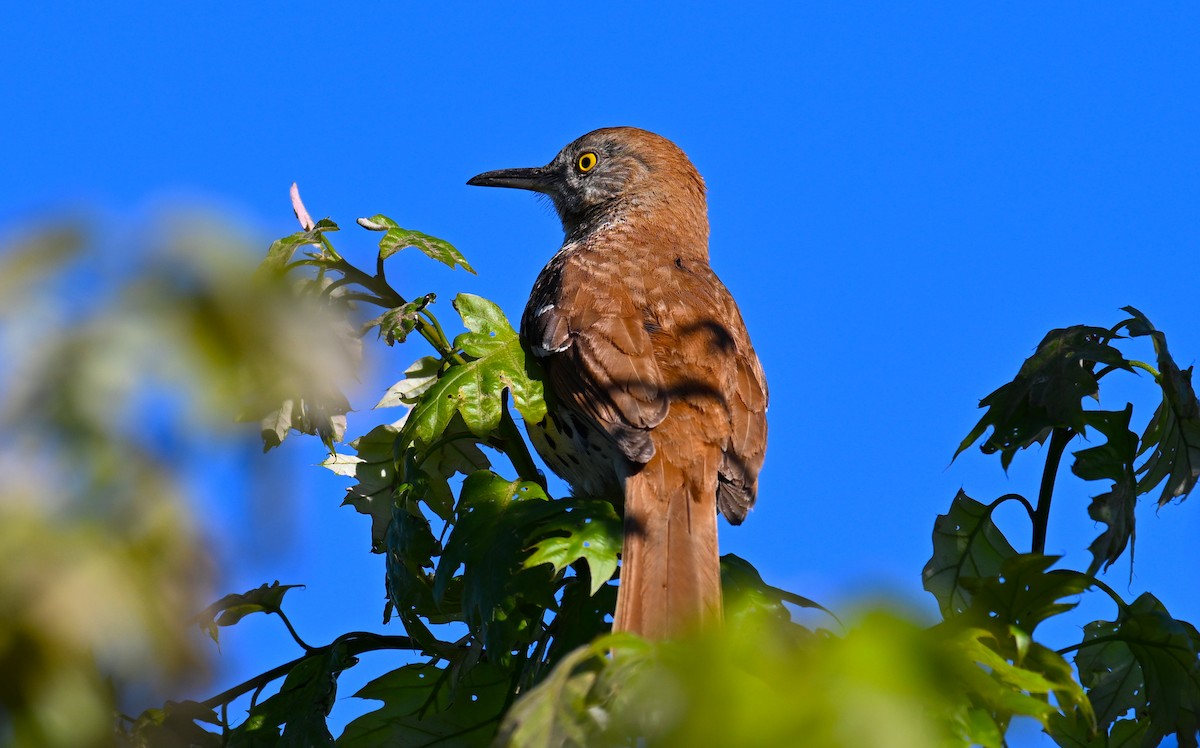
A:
(505, 592)
(108, 370)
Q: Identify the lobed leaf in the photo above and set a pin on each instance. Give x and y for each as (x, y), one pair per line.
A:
(1174, 430)
(966, 543)
(1046, 393)
(1144, 661)
(424, 706)
(1113, 460)
(395, 239)
(1025, 593)
(234, 607)
(475, 389)
(588, 530)
(281, 251)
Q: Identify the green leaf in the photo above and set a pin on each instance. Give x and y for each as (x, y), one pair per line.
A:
(586, 529)
(418, 378)
(423, 706)
(1024, 593)
(502, 599)
(234, 607)
(175, 725)
(1145, 661)
(1174, 430)
(475, 389)
(301, 706)
(1046, 393)
(395, 324)
(1113, 461)
(749, 599)
(966, 543)
(395, 239)
(567, 708)
(375, 470)
(281, 251)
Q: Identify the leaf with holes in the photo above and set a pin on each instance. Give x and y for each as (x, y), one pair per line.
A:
(490, 540)
(1174, 430)
(374, 467)
(1024, 593)
(584, 529)
(475, 389)
(966, 543)
(1144, 660)
(424, 706)
(1113, 461)
(1046, 393)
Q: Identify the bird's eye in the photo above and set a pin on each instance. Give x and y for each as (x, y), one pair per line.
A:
(586, 162)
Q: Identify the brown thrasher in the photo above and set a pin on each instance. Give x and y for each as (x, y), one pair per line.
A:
(656, 396)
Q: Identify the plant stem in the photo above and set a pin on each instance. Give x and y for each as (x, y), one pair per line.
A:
(292, 631)
(1041, 515)
(513, 445)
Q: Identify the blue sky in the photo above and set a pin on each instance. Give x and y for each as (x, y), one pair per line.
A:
(903, 201)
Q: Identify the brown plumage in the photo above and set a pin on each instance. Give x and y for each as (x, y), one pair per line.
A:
(656, 396)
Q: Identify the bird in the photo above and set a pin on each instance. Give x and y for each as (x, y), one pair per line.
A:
(656, 398)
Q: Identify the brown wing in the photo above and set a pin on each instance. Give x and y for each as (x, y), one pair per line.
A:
(585, 324)
(722, 355)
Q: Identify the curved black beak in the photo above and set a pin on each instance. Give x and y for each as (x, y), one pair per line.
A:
(538, 179)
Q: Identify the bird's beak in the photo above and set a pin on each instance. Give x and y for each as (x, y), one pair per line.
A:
(538, 179)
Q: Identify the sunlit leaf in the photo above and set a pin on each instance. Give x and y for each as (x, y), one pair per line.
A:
(418, 378)
(281, 251)
(395, 324)
(475, 389)
(395, 239)
(591, 531)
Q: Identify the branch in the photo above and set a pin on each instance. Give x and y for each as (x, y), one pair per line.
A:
(357, 642)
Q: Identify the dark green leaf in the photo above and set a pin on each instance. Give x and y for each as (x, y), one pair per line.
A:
(395, 239)
(424, 706)
(174, 726)
(1174, 431)
(475, 389)
(1024, 593)
(495, 519)
(1046, 393)
(234, 607)
(966, 543)
(1145, 661)
(1113, 461)
(749, 599)
(588, 530)
(300, 707)
(568, 707)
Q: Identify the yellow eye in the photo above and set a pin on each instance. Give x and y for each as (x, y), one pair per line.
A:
(587, 161)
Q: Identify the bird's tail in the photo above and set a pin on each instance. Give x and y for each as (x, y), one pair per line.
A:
(670, 567)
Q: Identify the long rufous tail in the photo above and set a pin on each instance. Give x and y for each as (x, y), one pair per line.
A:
(670, 567)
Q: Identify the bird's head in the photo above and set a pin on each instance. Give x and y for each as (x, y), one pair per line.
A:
(608, 171)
